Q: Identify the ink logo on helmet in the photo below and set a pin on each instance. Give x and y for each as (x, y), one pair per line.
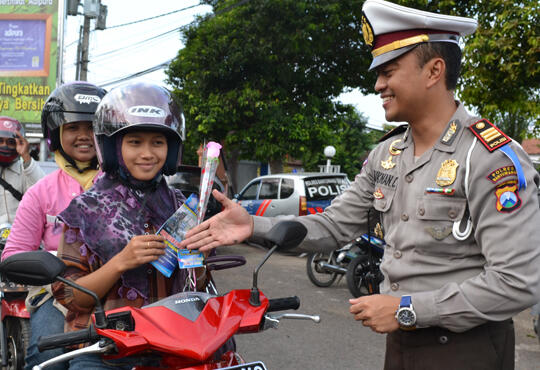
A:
(146, 111)
(87, 99)
(7, 124)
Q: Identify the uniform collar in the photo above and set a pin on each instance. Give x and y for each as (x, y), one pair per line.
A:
(449, 138)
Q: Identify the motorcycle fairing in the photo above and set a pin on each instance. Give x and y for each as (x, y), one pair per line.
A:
(161, 329)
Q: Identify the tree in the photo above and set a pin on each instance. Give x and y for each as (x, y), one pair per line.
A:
(500, 72)
(262, 77)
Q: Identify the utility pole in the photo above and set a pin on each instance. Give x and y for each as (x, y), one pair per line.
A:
(92, 9)
(84, 49)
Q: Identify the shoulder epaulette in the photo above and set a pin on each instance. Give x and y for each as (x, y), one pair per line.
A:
(489, 135)
(393, 132)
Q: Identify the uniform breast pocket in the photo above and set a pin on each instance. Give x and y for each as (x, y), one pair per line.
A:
(440, 209)
(383, 199)
(437, 216)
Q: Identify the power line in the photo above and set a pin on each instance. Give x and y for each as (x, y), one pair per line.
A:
(166, 63)
(123, 49)
(157, 16)
(137, 74)
(142, 20)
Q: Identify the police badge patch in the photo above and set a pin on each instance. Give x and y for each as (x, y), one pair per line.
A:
(447, 173)
(508, 199)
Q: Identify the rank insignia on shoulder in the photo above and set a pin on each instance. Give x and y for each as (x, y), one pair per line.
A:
(491, 136)
(508, 199)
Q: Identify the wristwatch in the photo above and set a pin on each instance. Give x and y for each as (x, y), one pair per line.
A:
(405, 315)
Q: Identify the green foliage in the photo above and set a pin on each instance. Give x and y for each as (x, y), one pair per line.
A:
(262, 77)
(501, 73)
(352, 143)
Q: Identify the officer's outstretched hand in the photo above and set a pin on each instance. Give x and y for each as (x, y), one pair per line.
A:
(376, 311)
(232, 225)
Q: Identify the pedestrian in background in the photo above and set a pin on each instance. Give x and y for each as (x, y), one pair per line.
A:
(459, 207)
(18, 169)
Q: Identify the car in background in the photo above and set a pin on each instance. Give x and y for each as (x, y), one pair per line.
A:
(187, 179)
(295, 194)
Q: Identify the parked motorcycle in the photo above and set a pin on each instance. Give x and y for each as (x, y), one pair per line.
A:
(536, 319)
(323, 268)
(183, 331)
(15, 319)
(363, 273)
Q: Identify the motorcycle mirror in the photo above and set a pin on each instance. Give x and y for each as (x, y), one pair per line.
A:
(42, 268)
(32, 268)
(284, 235)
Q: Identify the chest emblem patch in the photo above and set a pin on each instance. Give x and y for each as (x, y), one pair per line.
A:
(508, 199)
(447, 173)
(378, 194)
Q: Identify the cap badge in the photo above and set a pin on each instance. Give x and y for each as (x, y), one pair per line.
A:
(447, 173)
(367, 31)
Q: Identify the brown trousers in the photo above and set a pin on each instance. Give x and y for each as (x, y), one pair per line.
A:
(489, 346)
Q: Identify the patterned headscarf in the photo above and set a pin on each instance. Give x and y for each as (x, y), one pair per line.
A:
(114, 210)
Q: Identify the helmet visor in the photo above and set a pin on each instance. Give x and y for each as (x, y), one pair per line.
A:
(57, 119)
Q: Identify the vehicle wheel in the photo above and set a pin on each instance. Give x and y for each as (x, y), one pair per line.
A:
(358, 271)
(17, 339)
(316, 274)
(536, 322)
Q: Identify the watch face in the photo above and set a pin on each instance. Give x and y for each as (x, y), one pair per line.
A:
(406, 317)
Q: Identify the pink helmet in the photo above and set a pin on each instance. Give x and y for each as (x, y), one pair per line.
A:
(9, 127)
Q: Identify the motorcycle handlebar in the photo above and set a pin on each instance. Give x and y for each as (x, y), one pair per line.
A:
(67, 339)
(281, 304)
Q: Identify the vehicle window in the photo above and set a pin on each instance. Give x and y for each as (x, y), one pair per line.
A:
(269, 189)
(323, 188)
(287, 188)
(251, 192)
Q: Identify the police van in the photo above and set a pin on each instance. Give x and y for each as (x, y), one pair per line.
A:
(291, 193)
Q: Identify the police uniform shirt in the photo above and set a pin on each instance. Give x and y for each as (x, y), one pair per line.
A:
(492, 274)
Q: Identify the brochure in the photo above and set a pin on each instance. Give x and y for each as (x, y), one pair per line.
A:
(174, 231)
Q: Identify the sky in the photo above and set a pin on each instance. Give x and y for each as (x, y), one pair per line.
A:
(124, 50)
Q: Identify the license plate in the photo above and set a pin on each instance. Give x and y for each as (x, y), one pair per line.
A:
(251, 366)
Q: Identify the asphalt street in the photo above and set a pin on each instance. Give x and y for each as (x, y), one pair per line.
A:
(338, 342)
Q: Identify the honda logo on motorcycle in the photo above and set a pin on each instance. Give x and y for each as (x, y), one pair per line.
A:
(146, 111)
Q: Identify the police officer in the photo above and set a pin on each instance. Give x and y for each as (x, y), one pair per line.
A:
(458, 201)
(18, 170)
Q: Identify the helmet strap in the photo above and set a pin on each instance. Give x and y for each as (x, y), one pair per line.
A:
(92, 166)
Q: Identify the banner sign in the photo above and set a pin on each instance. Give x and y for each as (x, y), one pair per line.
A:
(28, 57)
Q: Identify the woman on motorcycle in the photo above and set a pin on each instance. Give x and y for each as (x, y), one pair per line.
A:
(109, 237)
(66, 123)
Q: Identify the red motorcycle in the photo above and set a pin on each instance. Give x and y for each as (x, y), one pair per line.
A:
(189, 330)
(15, 319)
